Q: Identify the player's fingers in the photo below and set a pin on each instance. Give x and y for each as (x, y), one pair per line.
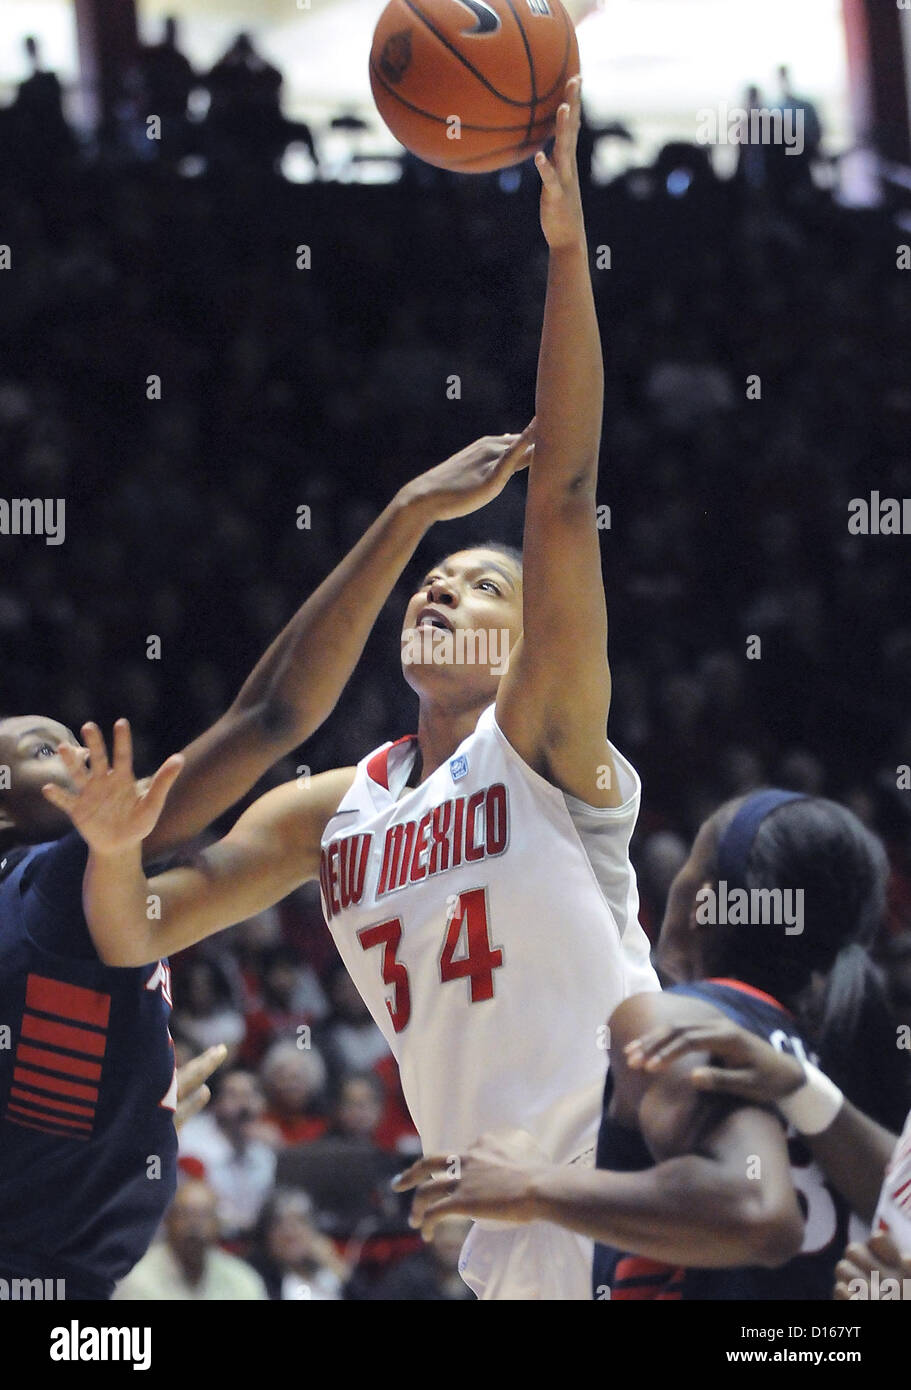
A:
(841, 1293)
(884, 1249)
(655, 1044)
(574, 101)
(74, 759)
(547, 171)
(731, 1081)
(859, 1255)
(57, 796)
(563, 141)
(123, 747)
(447, 1206)
(98, 753)
(193, 1073)
(161, 784)
(427, 1194)
(191, 1106)
(420, 1171)
(663, 1045)
(525, 460)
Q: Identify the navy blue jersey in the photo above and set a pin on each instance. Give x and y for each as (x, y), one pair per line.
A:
(88, 1149)
(811, 1274)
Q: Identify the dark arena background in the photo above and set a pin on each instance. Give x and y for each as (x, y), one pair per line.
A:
(227, 339)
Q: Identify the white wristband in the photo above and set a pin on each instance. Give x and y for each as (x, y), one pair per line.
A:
(814, 1105)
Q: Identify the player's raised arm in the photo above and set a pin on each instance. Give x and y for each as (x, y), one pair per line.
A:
(553, 701)
(134, 920)
(295, 685)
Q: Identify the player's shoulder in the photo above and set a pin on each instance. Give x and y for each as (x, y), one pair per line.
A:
(656, 1008)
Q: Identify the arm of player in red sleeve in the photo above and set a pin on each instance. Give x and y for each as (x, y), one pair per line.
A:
(295, 685)
(554, 699)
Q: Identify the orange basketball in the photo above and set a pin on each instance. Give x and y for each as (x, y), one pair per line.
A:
(472, 85)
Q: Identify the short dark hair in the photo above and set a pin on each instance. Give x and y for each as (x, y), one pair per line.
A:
(511, 552)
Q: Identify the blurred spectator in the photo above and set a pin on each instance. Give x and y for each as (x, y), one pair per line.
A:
(395, 1132)
(294, 1259)
(791, 171)
(753, 151)
(205, 1008)
(662, 856)
(291, 999)
(345, 1172)
(187, 1264)
(38, 124)
(239, 1167)
(167, 79)
(245, 121)
(896, 960)
(293, 1079)
(432, 1274)
(352, 1041)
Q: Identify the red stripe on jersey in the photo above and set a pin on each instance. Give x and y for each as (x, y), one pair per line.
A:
(378, 770)
(61, 1035)
(45, 1103)
(58, 1061)
(636, 1277)
(378, 765)
(51, 1119)
(751, 989)
(55, 1084)
(45, 1129)
(71, 1002)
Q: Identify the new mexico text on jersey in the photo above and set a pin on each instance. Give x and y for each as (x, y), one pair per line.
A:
(490, 923)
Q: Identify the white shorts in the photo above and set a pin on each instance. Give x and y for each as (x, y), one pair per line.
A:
(537, 1261)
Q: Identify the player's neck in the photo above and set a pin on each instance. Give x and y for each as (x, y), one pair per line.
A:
(441, 729)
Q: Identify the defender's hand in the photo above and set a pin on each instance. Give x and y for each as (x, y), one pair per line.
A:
(854, 1271)
(751, 1067)
(107, 806)
(482, 1183)
(474, 476)
(192, 1092)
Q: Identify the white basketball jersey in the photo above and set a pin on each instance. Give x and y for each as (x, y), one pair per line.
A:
(893, 1214)
(490, 923)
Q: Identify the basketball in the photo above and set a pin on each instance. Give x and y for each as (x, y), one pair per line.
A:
(472, 85)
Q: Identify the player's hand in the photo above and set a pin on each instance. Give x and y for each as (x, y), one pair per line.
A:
(750, 1067)
(481, 1183)
(107, 806)
(474, 476)
(192, 1092)
(561, 200)
(854, 1271)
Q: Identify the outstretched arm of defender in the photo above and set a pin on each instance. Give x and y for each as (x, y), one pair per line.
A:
(296, 683)
(553, 701)
(134, 920)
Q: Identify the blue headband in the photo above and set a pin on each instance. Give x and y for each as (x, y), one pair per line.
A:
(737, 841)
